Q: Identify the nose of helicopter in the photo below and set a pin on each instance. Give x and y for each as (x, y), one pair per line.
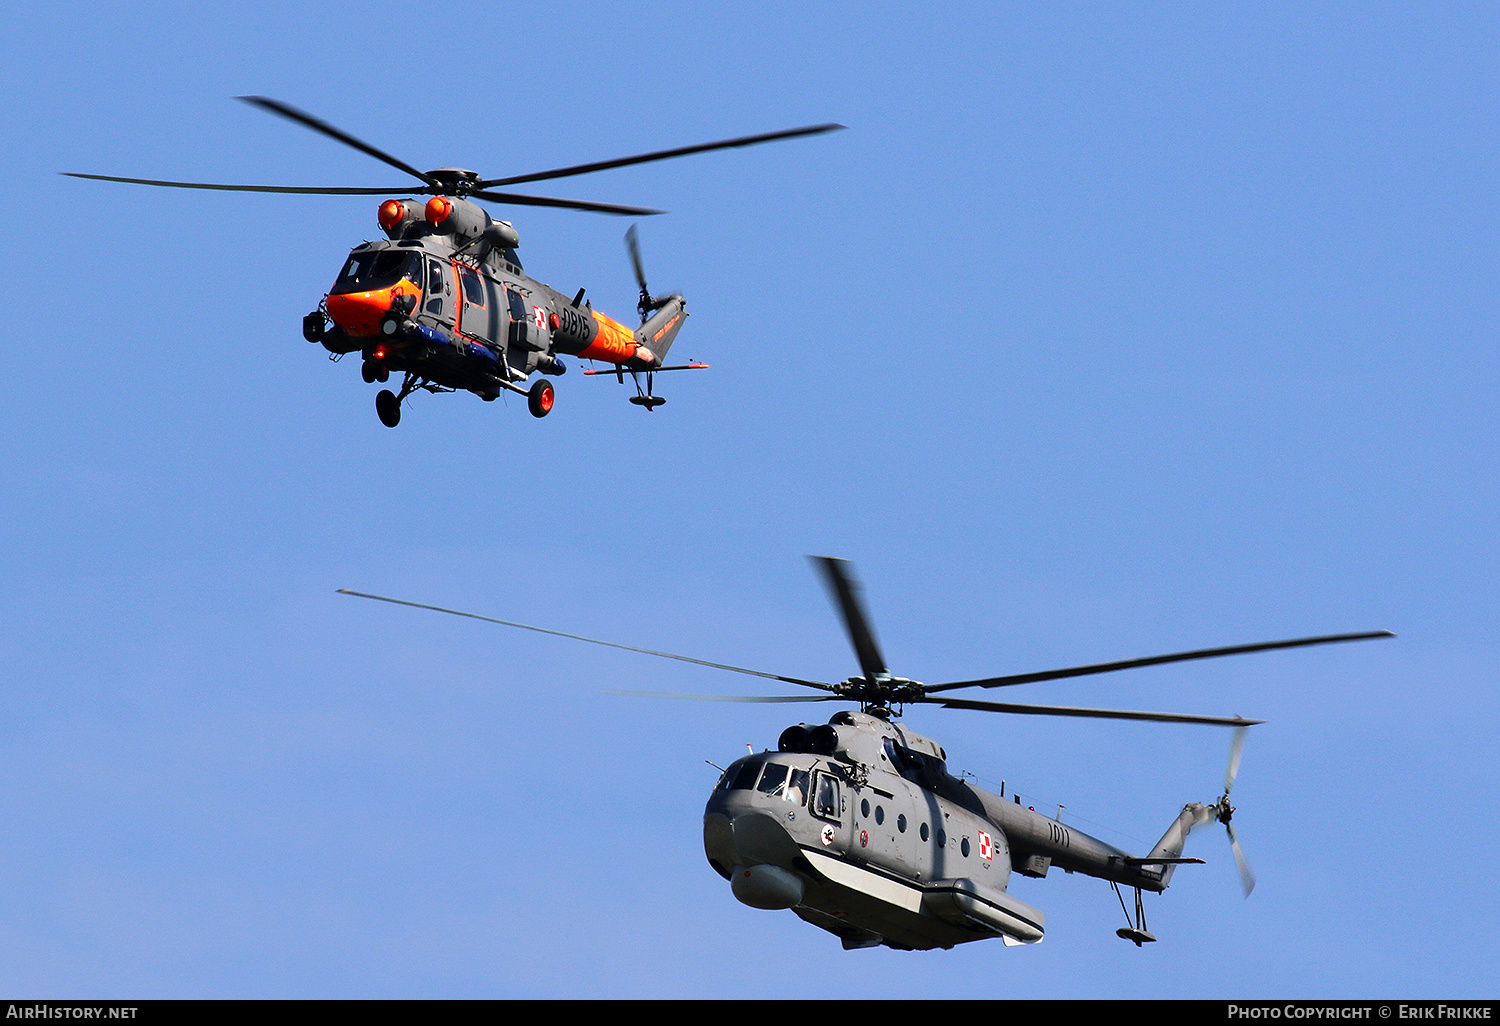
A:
(359, 313)
(754, 851)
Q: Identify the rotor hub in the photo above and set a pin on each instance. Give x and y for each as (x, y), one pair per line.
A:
(877, 694)
(457, 180)
(1223, 811)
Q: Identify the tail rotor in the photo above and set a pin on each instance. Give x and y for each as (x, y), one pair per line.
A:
(1224, 812)
(647, 302)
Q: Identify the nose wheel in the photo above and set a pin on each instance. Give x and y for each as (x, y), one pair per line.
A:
(388, 408)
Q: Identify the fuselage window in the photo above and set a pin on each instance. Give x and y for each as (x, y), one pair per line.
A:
(473, 287)
(864, 807)
(879, 814)
(964, 847)
(901, 822)
(923, 831)
(518, 318)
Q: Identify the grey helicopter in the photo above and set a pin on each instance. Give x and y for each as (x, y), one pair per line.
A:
(443, 298)
(857, 826)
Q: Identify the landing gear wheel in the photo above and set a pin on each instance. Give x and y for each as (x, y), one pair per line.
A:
(540, 399)
(382, 372)
(388, 407)
(367, 371)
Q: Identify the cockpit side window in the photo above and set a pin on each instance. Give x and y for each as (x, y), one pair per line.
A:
(825, 796)
(773, 781)
(742, 778)
(796, 788)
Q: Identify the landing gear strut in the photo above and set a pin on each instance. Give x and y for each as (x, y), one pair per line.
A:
(1136, 934)
(388, 403)
(646, 399)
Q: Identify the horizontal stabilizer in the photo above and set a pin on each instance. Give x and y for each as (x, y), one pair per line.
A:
(1164, 862)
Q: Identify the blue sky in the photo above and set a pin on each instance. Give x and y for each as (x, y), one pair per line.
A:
(1104, 331)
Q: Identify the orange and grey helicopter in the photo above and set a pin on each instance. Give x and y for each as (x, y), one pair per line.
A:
(858, 827)
(443, 298)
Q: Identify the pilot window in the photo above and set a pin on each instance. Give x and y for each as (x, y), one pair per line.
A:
(773, 781)
(437, 287)
(796, 789)
(743, 778)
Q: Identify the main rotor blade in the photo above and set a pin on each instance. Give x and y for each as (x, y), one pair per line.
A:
(1130, 664)
(839, 577)
(633, 247)
(1236, 749)
(548, 201)
(683, 151)
(1104, 714)
(730, 698)
(309, 191)
(318, 125)
(593, 641)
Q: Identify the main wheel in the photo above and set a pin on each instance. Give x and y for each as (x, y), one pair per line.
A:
(367, 371)
(387, 406)
(540, 399)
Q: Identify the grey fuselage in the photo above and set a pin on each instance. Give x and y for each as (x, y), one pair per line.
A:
(447, 301)
(858, 828)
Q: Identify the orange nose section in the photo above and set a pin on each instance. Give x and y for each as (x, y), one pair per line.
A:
(359, 313)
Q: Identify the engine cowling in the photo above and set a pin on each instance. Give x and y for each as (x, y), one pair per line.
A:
(451, 215)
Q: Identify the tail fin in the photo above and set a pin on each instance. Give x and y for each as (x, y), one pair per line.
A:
(661, 328)
(1169, 848)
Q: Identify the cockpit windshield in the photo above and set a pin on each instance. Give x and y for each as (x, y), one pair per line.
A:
(366, 272)
(778, 780)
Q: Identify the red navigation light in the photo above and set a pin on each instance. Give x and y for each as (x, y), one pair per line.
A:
(391, 213)
(438, 209)
(379, 353)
